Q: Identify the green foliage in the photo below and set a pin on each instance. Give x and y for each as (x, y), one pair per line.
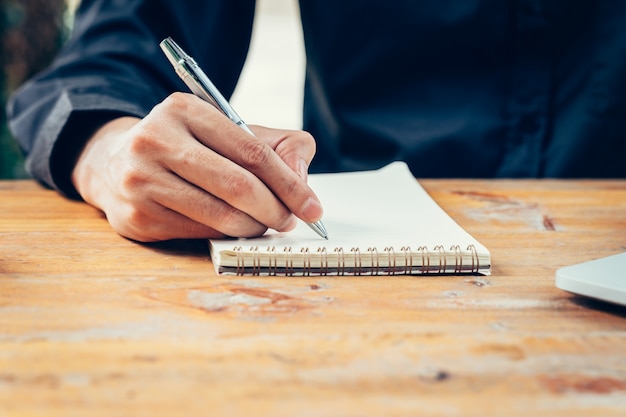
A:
(11, 159)
(11, 162)
(31, 33)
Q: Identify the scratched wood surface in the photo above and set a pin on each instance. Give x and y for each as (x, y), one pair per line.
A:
(92, 324)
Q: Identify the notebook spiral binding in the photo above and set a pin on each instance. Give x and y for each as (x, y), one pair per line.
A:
(379, 263)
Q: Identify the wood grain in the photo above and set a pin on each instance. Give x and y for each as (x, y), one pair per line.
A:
(92, 324)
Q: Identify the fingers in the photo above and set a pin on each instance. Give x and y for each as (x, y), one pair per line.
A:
(169, 217)
(191, 201)
(222, 179)
(142, 187)
(186, 171)
(153, 222)
(120, 172)
(226, 182)
(295, 148)
(262, 156)
(149, 204)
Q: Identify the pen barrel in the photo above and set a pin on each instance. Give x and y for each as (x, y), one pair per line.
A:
(197, 81)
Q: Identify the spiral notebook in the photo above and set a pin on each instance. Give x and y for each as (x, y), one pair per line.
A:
(379, 222)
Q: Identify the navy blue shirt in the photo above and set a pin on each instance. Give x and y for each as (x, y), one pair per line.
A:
(474, 88)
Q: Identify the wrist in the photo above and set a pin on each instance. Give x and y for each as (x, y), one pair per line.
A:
(94, 157)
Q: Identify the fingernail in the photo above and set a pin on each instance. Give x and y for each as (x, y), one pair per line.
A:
(303, 169)
(311, 209)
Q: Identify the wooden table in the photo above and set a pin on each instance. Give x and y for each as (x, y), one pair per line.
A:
(92, 324)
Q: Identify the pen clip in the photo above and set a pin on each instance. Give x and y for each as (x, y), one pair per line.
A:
(197, 81)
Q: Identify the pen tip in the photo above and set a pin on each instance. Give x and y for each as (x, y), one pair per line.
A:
(319, 228)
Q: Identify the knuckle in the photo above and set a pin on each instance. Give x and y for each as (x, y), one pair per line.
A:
(238, 187)
(255, 154)
(189, 156)
(132, 223)
(308, 139)
(134, 185)
(146, 227)
(144, 140)
(132, 180)
(305, 141)
(177, 102)
(136, 218)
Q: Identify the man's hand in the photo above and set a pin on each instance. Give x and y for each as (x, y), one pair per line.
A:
(187, 171)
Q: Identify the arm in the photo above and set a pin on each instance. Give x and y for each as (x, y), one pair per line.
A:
(172, 174)
(171, 171)
(112, 66)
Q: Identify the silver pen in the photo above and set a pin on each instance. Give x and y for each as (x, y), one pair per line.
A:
(198, 82)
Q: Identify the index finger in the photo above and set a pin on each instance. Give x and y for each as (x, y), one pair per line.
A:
(255, 156)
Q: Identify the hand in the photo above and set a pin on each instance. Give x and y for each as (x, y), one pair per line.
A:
(187, 171)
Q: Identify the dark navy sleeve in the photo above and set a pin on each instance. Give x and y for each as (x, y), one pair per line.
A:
(113, 66)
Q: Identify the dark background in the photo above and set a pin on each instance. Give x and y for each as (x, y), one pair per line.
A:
(32, 31)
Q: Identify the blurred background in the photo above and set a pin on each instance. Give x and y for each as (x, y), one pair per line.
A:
(268, 93)
(32, 32)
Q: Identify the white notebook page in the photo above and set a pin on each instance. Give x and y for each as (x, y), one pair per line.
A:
(370, 216)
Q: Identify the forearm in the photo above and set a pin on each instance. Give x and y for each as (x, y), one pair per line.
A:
(112, 67)
(52, 130)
